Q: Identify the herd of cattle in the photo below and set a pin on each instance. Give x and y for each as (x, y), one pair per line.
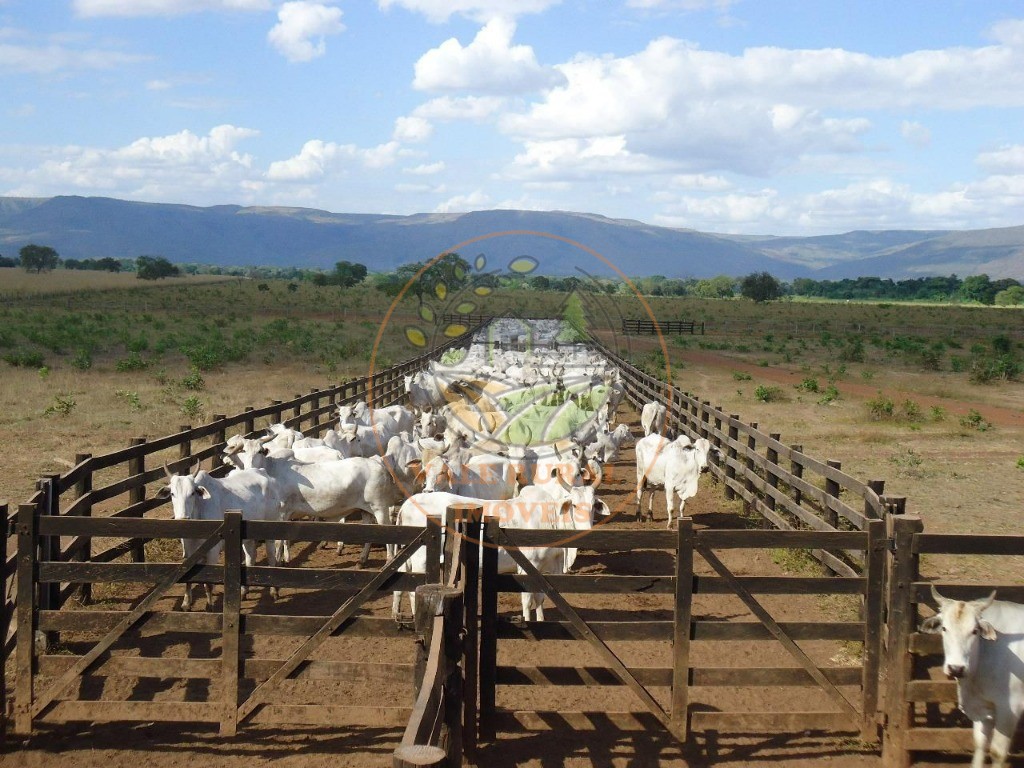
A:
(525, 434)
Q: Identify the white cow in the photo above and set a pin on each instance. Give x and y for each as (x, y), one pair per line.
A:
(983, 646)
(674, 465)
(481, 477)
(356, 440)
(653, 418)
(608, 444)
(205, 497)
(562, 508)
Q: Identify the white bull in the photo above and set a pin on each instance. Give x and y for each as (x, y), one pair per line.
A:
(983, 647)
(674, 465)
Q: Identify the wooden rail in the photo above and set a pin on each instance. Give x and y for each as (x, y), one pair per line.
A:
(662, 326)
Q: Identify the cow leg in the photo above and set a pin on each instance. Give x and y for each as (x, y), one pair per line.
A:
(670, 503)
(186, 600)
(248, 558)
(272, 562)
(1001, 736)
(365, 557)
(982, 735)
(540, 609)
(526, 596)
(396, 604)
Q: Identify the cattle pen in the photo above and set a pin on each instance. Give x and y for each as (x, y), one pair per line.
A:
(91, 634)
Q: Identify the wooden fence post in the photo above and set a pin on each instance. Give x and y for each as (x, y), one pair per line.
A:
(314, 406)
(231, 622)
(730, 468)
(832, 491)
(6, 607)
(748, 484)
(874, 572)
(84, 555)
(471, 572)
(796, 469)
(435, 524)
(902, 621)
(487, 677)
(681, 627)
(219, 436)
(297, 411)
(136, 495)
(870, 512)
(770, 476)
(249, 425)
(705, 418)
(28, 618)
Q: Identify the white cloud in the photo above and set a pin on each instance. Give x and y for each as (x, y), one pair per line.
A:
(89, 8)
(412, 130)
(681, 5)
(22, 111)
(55, 57)
(302, 27)
(490, 63)
(700, 181)
(917, 134)
(150, 168)
(1005, 160)
(426, 169)
(474, 201)
(472, 108)
(438, 11)
(318, 159)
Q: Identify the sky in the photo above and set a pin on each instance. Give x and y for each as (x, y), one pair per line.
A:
(782, 117)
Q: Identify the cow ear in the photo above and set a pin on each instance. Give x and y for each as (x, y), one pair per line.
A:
(163, 492)
(988, 632)
(932, 625)
(202, 492)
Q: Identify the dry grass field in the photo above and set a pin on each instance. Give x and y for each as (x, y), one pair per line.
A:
(885, 389)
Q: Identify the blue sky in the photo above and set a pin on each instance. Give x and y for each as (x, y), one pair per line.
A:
(741, 116)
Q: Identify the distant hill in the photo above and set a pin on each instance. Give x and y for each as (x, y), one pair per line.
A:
(230, 235)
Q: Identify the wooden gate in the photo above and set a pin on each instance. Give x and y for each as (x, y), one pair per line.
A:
(850, 687)
(65, 674)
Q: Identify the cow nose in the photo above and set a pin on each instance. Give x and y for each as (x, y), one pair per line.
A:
(955, 672)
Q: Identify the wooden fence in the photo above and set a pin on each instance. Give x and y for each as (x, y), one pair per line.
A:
(661, 326)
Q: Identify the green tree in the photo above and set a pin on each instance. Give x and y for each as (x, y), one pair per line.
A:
(760, 286)
(978, 288)
(39, 258)
(1011, 297)
(720, 287)
(154, 268)
(347, 274)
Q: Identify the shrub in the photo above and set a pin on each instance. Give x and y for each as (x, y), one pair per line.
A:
(741, 376)
(1020, 463)
(194, 380)
(831, 394)
(974, 420)
(132, 363)
(908, 463)
(809, 385)
(768, 394)
(910, 410)
(881, 407)
(938, 413)
(131, 397)
(82, 360)
(192, 407)
(23, 358)
(62, 405)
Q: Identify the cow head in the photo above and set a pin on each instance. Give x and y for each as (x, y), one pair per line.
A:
(185, 492)
(962, 628)
(437, 475)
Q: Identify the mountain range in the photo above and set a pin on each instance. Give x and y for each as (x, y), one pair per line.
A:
(563, 242)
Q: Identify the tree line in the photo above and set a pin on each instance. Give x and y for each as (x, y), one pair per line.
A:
(452, 271)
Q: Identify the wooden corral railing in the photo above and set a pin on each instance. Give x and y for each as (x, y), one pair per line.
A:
(114, 485)
(662, 326)
(785, 486)
(240, 686)
(915, 699)
(848, 693)
(446, 622)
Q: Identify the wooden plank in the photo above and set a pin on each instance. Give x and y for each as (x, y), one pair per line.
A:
(873, 622)
(777, 722)
(940, 740)
(231, 622)
(565, 721)
(57, 689)
(773, 627)
(729, 539)
(595, 539)
(337, 619)
(703, 585)
(712, 631)
(27, 619)
(489, 633)
(927, 691)
(716, 677)
(206, 623)
(968, 544)
(331, 715)
(132, 711)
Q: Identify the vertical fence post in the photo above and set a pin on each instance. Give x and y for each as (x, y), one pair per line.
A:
(276, 413)
(82, 488)
(487, 677)
(730, 467)
(748, 484)
(796, 469)
(705, 418)
(832, 491)
(435, 523)
(471, 569)
(219, 437)
(681, 627)
(136, 495)
(249, 425)
(51, 550)
(773, 479)
(297, 411)
(874, 571)
(870, 511)
(28, 618)
(902, 620)
(231, 622)
(314, 412)
(6, 607)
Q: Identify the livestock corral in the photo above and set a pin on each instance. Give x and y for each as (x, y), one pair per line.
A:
(502, 596)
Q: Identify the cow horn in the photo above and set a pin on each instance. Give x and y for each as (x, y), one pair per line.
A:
(939, 599)
(167, 471)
